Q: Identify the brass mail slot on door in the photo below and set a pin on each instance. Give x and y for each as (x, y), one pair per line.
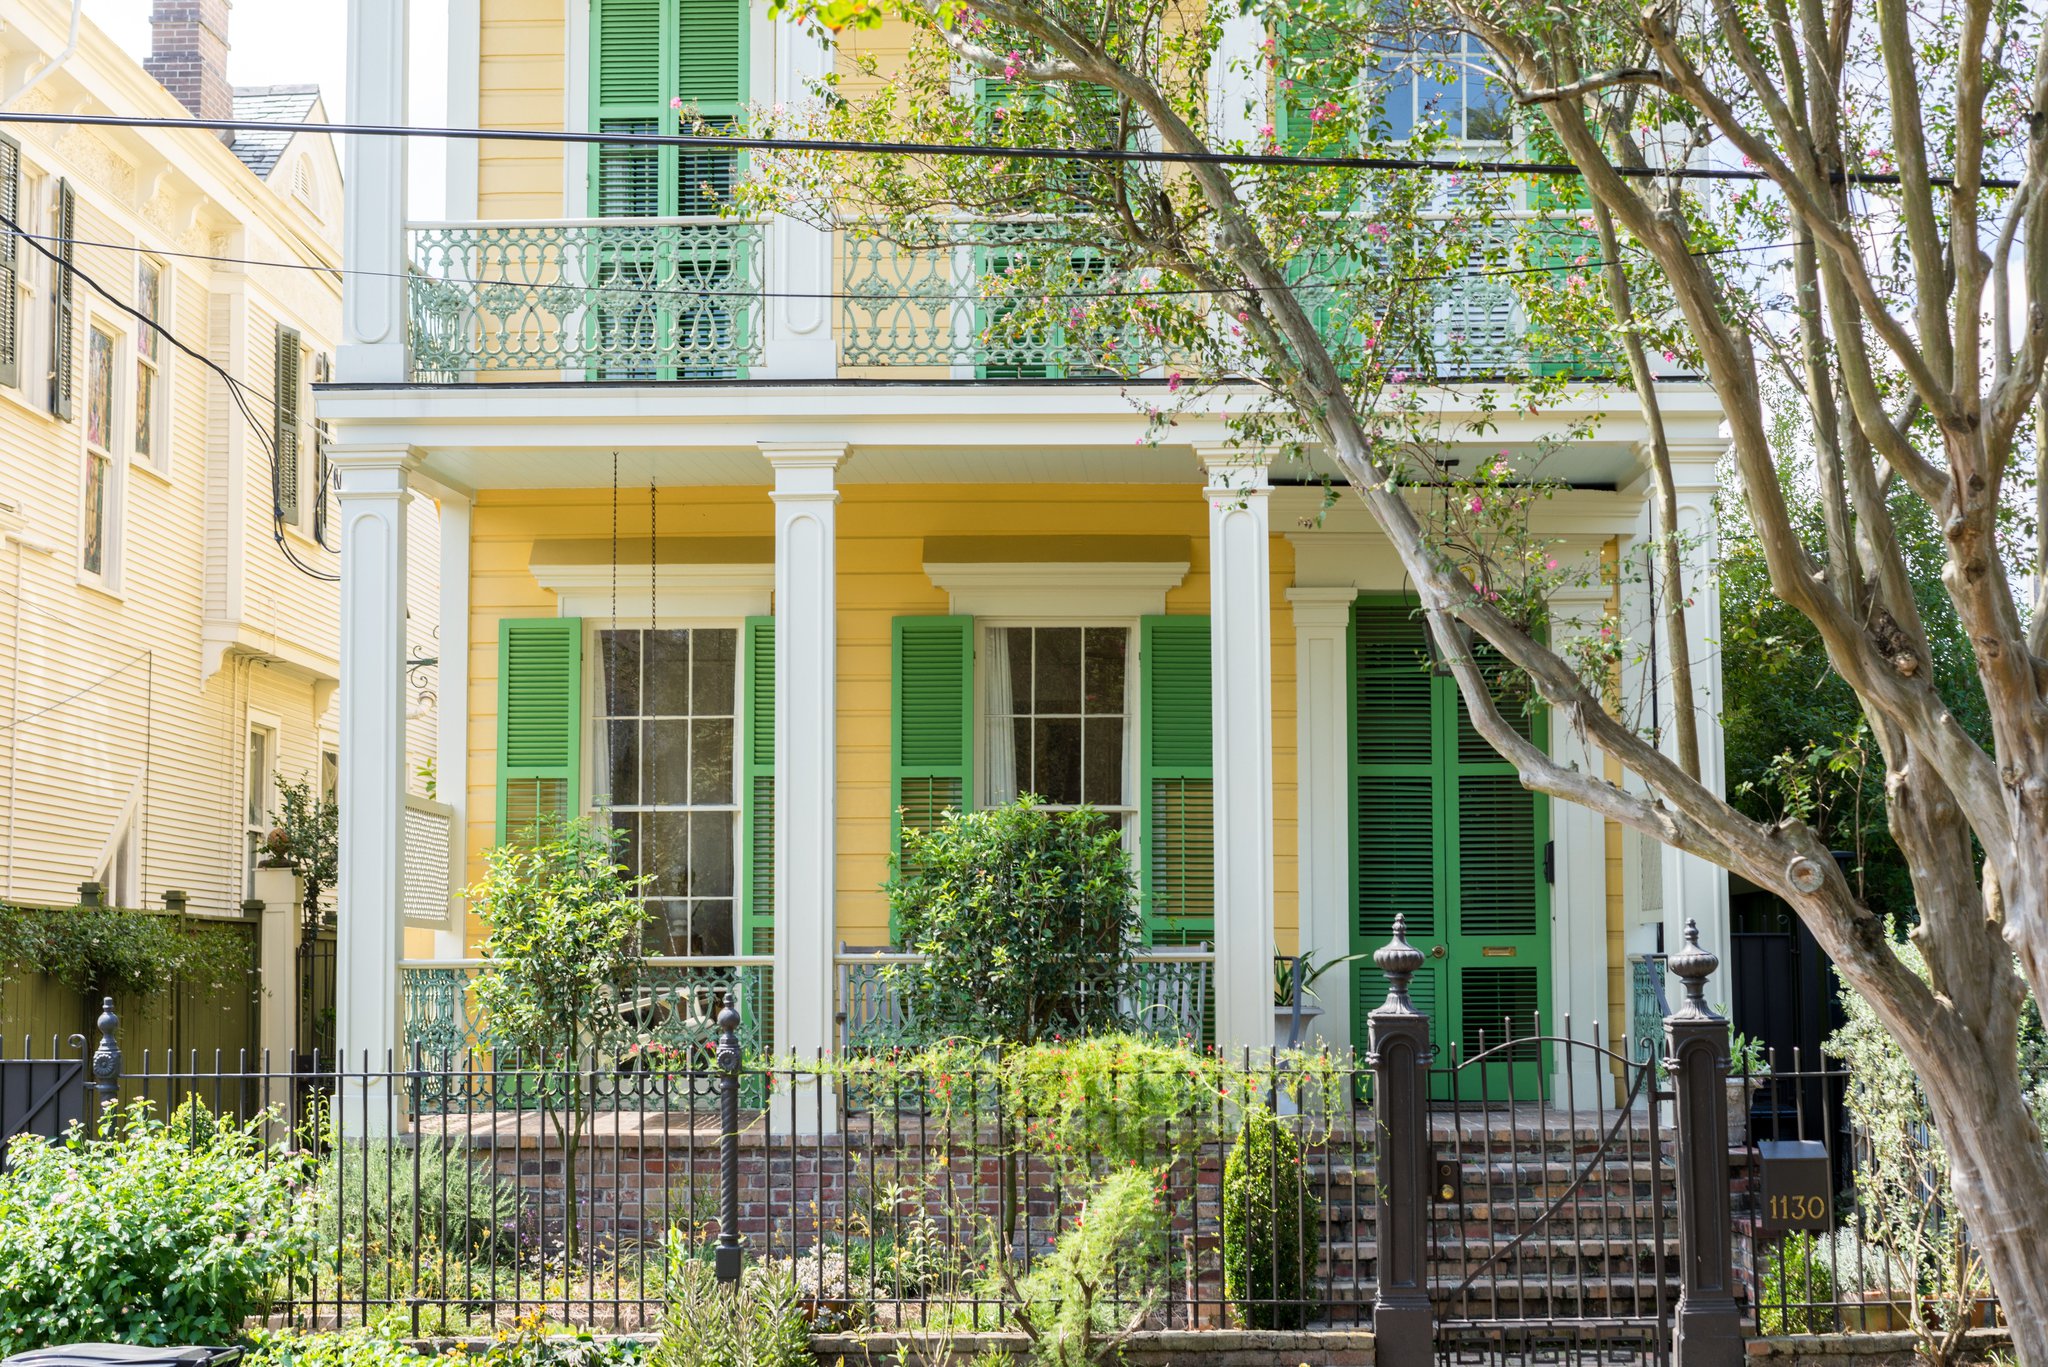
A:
(1498, 952)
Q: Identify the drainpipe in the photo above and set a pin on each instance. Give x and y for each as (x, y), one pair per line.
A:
(22, 546)
(70, 46)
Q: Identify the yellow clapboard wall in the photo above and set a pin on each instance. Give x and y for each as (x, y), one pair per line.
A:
(881, 576)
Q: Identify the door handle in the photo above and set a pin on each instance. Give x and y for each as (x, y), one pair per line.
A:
(1437, 951)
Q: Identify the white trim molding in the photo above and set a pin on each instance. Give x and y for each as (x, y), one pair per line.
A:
(1019, 588)
(1322, 695)
(806, 756)
(696, 591)
(1241, 724)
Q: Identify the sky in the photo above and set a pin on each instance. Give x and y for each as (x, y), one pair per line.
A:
(293, 42)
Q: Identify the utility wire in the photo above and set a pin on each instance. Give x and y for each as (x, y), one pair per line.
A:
(713, 142)
(855, 296)
(237, 390)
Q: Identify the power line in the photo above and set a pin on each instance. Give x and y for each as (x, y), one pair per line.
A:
(852, 296)
(716, 142)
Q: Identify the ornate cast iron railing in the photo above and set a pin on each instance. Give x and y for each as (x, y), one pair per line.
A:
(1172, 997)
(627, 299)
(1647, 1005)
(949, 307)
(673, 1003)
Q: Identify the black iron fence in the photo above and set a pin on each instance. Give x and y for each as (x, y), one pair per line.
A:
(1543, 1192)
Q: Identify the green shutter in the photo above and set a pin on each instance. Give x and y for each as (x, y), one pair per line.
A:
(931, 750)
(540, 723)
(284, 400)
(1559, 248)
(1396, 852)
(647, 54)
(757, 787)
(10, 292)
(61, 328)
(1176, 790)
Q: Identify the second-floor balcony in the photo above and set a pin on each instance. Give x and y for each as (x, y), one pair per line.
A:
(691, 299)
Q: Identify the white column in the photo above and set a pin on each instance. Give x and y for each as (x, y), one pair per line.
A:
(1241, 721)
(282, 893)
(1693, 888)
(451, 755)
(373, 212)
(369, 943)
(1578, 891)
(806, 774)
(1237, 80)
(798, 269)
(1322, 621)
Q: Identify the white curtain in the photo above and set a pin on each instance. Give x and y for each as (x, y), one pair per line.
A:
(999, 767)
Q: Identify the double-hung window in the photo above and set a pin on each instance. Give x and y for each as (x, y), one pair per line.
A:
(260, 764)
(100, 530)
(666, 720)
(669, 302)
(1056, 709)
(150, 443)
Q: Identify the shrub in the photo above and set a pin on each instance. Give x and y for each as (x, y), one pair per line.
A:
(1798, 1290)
(141, 1236)
(1105, 1275)
(759, 1323)
(395, 1200)
(1271, 1226)
(1026, 918)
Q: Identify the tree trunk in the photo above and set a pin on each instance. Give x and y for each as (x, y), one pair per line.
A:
(2000, 1172)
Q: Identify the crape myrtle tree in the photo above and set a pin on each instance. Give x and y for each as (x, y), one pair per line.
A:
(1904, 304)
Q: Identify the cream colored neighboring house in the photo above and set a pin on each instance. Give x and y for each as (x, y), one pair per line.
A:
(167, 643)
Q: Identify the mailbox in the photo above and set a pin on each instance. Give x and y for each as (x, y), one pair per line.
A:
(1796, 1191)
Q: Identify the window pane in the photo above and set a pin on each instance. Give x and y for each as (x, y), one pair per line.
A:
(1104, 755)
(665, 777)
(711, 854)
(668, 927)
(145, 409)
(667, 676)
(99, 389)
(665, 852)
(622, 762)
(715, 661)
(1486, 99)
(1056, 776)
(1105, 670)
(626, 847)
(1020, 671)
(710, 761)
(1057, 671)
(149, 284)
(618, 654)
(711, 930)
(96, 474)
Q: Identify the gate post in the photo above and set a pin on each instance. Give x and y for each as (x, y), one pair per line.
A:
(106, 1064)
(1708, 1329)
(1399, 1055)
(726, 1261)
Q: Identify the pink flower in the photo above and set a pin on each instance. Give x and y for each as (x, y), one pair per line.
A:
(1550, 564)
(1378, 231)
(1013, 62)
(1326, 110)
(1575, 281)
(1287, 83)
(1173, 383)
(1074, 316)
(1478, 504)
(1266, 131)
(676, 103)
(1670, 355)
(1399, 377)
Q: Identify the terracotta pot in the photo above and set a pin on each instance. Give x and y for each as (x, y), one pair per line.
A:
(1875, 1312)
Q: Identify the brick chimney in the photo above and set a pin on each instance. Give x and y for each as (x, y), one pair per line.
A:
(188, 53)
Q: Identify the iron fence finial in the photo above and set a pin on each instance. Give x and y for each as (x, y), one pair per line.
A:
(1694, 965)
(1400, 961)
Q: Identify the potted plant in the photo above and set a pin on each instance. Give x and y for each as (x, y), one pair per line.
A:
(1294, 981)
(1873, 1294)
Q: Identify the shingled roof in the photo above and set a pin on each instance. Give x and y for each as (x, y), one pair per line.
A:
(259, 148)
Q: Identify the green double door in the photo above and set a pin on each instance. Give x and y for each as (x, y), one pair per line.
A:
(1444, 834)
